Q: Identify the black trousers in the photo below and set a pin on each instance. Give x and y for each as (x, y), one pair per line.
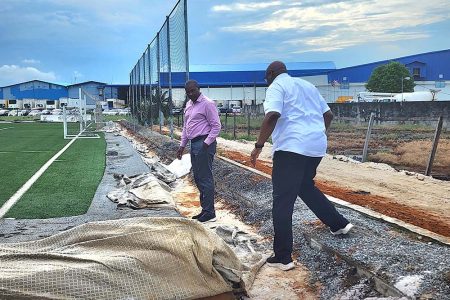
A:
(202, 161)
(293, 175)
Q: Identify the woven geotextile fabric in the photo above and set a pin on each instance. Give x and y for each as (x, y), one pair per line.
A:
(138, 258)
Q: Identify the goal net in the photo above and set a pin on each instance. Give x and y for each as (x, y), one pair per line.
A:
(79, 116)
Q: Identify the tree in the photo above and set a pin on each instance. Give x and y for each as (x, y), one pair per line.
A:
(388, 79)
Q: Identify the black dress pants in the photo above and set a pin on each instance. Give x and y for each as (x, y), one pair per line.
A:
(293, 175)
(202, 162)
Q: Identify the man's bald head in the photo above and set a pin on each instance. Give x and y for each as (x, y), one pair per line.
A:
(190, 83)
(274, 69)
(192, 90)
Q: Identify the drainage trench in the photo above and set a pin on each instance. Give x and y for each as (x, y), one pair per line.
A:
(372, 261)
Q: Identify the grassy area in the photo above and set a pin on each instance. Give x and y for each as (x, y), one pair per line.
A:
(24, 148)
(241, 121)
(68, 186)
(230, 136)
(19, 118)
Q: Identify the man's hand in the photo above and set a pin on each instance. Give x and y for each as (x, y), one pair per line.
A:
(180, 152)
(254, 156)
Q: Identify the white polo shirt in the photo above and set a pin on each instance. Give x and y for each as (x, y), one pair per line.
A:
(301, 127)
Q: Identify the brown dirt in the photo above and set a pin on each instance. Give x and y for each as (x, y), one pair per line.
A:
(245, 160)
(419, 217)
(387, 207)
(415, 199)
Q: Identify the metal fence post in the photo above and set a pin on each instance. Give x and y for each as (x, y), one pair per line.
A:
(234, 125)
(145, 89)
(186, 39)
(129, 93)
(248, 123)
(226, 120)
(169, 65)
(150, 86)
(437, 135)
(158, 87)
(135, 92)
(366, 143)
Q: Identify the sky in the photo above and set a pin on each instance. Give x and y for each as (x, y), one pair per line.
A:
(69, 41)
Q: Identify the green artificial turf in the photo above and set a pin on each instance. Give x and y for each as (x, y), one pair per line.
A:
(68, 186)
(24, 148)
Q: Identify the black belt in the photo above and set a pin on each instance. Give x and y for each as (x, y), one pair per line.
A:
(198, 138)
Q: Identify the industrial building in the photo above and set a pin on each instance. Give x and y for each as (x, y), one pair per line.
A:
(243, 84)
(41, 94)
(430, 71)
(240, 84)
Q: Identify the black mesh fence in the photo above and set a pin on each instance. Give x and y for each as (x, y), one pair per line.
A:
(159, 76)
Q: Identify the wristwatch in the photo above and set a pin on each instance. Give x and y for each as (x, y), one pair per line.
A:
(259, 146)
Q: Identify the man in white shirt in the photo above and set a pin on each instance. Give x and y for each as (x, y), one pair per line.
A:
(297, 117)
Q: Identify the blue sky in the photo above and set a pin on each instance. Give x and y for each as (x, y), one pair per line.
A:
(69, 41)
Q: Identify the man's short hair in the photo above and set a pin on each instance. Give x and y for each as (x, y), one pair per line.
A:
(191, 82)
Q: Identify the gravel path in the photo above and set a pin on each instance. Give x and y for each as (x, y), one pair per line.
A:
(400, 262)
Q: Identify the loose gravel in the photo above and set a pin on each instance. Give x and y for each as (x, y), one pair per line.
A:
(397, 262)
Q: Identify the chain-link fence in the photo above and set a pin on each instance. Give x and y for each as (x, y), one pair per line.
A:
(163, 66)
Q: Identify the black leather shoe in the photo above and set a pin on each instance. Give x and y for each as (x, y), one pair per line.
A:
(198, 216)
(206, 217)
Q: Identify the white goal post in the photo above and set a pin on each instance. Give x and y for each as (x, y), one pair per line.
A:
(77, 119)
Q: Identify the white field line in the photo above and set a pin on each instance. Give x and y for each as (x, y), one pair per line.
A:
(20, 192)
(6, 128)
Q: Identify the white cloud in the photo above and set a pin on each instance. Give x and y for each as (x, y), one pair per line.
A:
(31, 61)
(249, 6)
(11, 74)
(333, 26)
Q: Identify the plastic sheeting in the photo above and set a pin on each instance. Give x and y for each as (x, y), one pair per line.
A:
(143, 191)
(140, 258)
(181, 167)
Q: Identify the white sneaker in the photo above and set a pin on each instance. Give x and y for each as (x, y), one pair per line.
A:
(344, 230)
(275, 263)
(283, 267)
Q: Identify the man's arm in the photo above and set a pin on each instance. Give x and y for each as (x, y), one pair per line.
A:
(327, 118)
(184, 140)
(267, 127)
(212, 116)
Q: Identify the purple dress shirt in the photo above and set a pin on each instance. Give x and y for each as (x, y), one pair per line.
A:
(200, 118)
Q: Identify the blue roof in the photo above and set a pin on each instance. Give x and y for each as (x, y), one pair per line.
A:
(325, 65)
(11, 85)
(220, 75)
(431, 65)
(86, 82)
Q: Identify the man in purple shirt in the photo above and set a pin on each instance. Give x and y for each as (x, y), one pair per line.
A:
(201, 127)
